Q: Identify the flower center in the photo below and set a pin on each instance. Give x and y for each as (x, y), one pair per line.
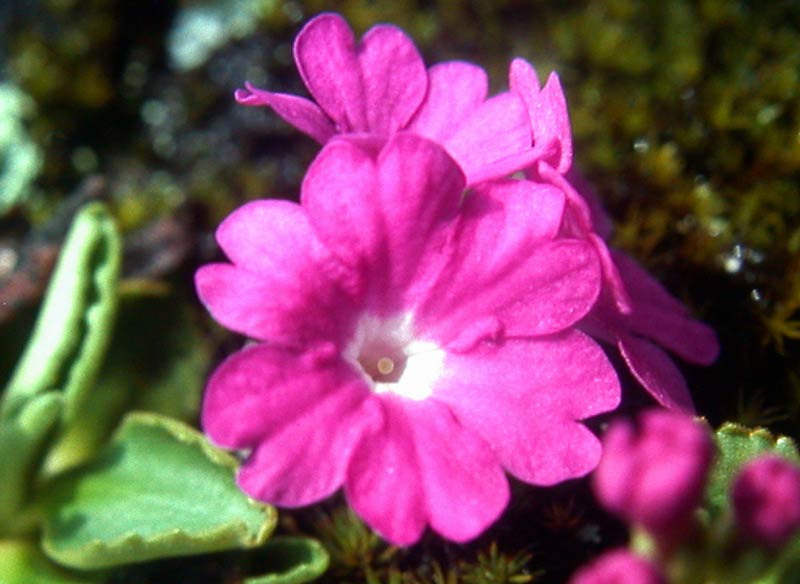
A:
(393, 360)
(383, 361)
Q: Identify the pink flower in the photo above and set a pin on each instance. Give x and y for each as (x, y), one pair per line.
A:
(766, 500)
(653, 474)
(412, 343)
(635, 312)
(657, 321)
(379, 86)
(547, 113)
(618, 567)
(371, 90)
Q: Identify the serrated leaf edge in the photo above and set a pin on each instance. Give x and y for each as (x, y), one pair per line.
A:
(238, 531)
(296, 572)
(736, 429)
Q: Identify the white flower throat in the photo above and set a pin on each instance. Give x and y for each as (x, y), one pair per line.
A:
(385, 350)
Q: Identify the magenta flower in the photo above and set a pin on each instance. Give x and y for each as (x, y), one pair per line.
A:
(547, 114)
(766, 500)
(618, 567)
(411, 343)
(373, 89)
(653, 474)
(657, 321)
(370, 90)
(635, 312)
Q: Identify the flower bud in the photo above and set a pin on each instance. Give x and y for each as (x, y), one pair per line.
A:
(618, 567)
(766, 500)
(653, 474)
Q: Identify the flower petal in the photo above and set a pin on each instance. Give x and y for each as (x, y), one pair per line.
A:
(423, 467)
(663, 318)
(525, 398)
(304, 413)
(279, 306)
(602, 223)
(383, 483)
(547, 109)
(612, 279)
(303, 114)
(380, 216)
(523, 79)
(465, 488)
(503, 271)
(285, 286)
(419, 196)
(394, 78)
(656, 372)
(307, 461)
(267, 235)
(338, 193)
(692, 340)
(498, 129)
(643, 287)
(325, 53)
(263, 387)
(455, 90)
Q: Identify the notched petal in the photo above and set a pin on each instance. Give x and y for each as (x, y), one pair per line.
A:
(325, 53)
(394, 78)
(301, 113)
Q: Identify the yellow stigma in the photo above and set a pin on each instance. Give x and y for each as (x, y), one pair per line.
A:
(385, 365)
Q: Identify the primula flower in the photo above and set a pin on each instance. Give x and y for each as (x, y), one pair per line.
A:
(411, 342)
(657, 321)
(547, 114)
(618, 567)
(766, 500)
(369, 90)
(653, 474)
(374, 88)
(635, 312)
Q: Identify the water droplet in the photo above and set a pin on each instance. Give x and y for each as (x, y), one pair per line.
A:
(641, 145)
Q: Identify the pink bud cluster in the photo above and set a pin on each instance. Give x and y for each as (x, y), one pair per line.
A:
(653, 475)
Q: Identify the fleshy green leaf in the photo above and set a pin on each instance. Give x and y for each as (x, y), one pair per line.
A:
(75, 321)
(290, 560)
(22, 562)
(159, 489)
(22, 438)
(736, 445)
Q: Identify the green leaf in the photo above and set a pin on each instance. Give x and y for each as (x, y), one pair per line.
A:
(22, 439)
(22, 562)
(290, 560)
(157, 361)
(159, 489)
(736, 445)
(75, 321)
